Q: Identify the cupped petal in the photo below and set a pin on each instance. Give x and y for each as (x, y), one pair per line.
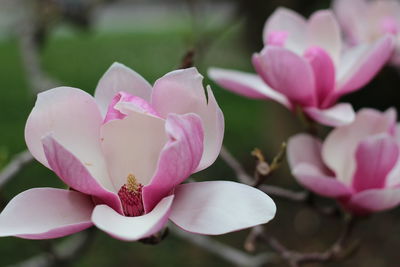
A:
(305, 148)
(374, 200)
(246, 84)
(324, 72)
(75, 173)
(123, 103)
(361, 63)
(132, 228)
(43, 213)
(324, 31)
(120, 78)
(313, 179)
(178, 159)
(338, 150)
(297, 82)
(375, 158)
(338, 115)
(182, 92)
(132, 146)
(219, 207)
(290, 22)
(73, 118)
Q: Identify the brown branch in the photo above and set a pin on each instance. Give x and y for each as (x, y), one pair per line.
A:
(230, 254)
(337, 251)
(243, 177)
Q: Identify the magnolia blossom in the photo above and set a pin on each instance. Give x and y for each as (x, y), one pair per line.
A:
(358, 164)
(124, 154)
(373, 20)
(302, 65)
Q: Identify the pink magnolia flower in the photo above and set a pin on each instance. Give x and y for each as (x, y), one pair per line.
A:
(358, 164)
(124, 154)
(374, 19)
(302, 65)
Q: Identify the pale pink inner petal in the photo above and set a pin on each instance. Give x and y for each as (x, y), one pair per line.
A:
(182, 92)
(132, 146)
(42, 213)
(179, 158)
(219, 207)
(286, 20)
(304, 148)
(132, 228)
(120, 78)
(324, 31)
(123, 103)
(339, 148)
(73, 118)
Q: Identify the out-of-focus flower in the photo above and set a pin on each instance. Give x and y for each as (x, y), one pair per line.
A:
(366, 21)
(302, 64)
(358, 164)
(124, 154)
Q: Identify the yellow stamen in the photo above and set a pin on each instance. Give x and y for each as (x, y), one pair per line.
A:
(132, 184)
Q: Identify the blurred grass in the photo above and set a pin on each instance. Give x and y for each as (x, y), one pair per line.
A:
(79, 61)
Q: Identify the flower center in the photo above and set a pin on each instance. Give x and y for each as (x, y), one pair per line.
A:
(130, 195)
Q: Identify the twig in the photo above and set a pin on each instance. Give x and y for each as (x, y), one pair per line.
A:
(335, 252)
(230, 254)
(25, 31)
(245, 178)
(12, 168)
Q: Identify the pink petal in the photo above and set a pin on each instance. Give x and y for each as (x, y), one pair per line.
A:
(361, 63)
(304, 148)
(286, 20)
(246, 84)
(375, 158)
(75, 174)
(354, 26)
(338, 115)
(324, 31)
(132, 146)
(179, 157)
(297, 82)
(43, 213)
(220, 207)
(338, 150)
(120, 78)
(182, 92)
(374, 200)
(313, 179)
(123, 102)
(132, 228)
(277, 38)
(73, 118)
(324, 71)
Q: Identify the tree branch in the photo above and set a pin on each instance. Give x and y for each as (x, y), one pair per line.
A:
(16, 164)
(245, 178)
(230, 254)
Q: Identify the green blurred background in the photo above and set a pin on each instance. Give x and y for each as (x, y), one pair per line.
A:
(152, 38)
